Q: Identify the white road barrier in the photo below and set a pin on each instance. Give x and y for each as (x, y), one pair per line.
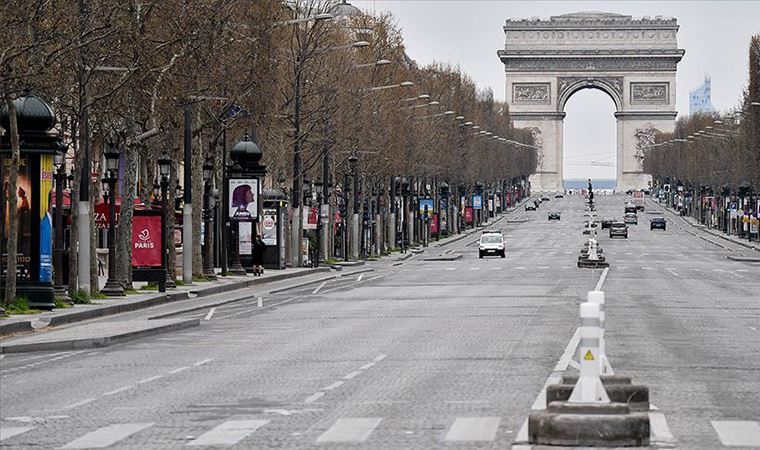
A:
(605, 367)
(589, 388)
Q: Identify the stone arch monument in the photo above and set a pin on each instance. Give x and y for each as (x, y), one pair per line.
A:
(633, 61)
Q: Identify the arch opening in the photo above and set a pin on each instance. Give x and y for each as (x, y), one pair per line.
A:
(589, 147)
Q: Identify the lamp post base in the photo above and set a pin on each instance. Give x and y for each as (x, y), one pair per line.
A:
(237, 270)
(209, 274)
(60, 292)
(113, 289)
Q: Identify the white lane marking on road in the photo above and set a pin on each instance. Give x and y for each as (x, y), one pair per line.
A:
(361, 275)
(260, 301)
(210, 314)
(602, 277)
(367, 366)
(451, 268)
(107, 436)
(540, 402)
(314, 397)
(646, 268)
(318, 288)
(738, 433)
(543, 267)
(178, 370)
(333, 386)
(474, 268)
(520, 268)
(148, 380)
(350, 430)
(228, 433)
(78, 404)
(473, 429)
(352, 375)
(567, 355)
(9, 432)
(659, 430)
(2, 356)
(718, 270)
(202, 362)
(742, 270)
(116, 391)
(379, 358)
(673, 272)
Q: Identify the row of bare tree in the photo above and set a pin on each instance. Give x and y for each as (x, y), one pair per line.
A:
(122, 73)
(713, 149)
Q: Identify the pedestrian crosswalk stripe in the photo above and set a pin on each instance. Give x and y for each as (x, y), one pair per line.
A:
(107, 436)
(738, 433)
(8, 432)
(473, 429)
(350, 430)
(228, 433)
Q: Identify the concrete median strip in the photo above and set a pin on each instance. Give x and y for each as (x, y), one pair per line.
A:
(101, 334)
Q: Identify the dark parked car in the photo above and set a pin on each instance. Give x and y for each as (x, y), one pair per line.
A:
(544, 198)
(559, 195)
(631, 218)
(619, 229)
(554, 215)
(657, 222)
(607, 222)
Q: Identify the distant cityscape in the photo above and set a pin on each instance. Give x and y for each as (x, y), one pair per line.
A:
(579, 183)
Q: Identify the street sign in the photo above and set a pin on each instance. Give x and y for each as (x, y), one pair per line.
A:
(477, 202)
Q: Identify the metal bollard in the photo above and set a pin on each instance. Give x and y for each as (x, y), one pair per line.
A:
(592, 255)
(589, 388)
(597, 297)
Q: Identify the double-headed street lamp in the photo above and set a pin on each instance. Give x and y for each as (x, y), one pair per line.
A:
(165, 170)
(59, 160)
(113, 287)
(208, 219)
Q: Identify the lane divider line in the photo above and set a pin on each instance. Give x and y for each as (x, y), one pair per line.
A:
(210, 314)
(319, 287)
(314, 397)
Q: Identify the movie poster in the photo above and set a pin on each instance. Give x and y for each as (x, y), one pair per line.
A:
(24, 214)
(243, 198)
(46, 218)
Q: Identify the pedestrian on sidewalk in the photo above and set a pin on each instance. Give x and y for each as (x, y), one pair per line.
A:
(258, 256)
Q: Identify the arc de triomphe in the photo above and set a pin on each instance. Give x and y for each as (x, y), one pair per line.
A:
(631, 60)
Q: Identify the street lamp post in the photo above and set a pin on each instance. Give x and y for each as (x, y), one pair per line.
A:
(165, 170)
(353, 161)
(60, 174)
(113, 287)
(208, 216)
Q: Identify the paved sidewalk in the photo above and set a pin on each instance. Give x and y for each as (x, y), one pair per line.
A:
(115, 305)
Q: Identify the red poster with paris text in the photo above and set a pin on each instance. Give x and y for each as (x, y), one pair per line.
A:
(468, 215)
(146, 241)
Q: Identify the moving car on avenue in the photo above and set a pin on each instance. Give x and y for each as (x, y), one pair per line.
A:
(619, 229)
(530, 206)
(554, 215)
(631, 218)
(607, 222)
(657, 222)
(491, 243)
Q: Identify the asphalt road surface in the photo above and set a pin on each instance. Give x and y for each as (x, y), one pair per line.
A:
(426, 354)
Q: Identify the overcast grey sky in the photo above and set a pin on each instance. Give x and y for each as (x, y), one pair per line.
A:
(715, 35)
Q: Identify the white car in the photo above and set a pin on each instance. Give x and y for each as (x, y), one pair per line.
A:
(491, 243)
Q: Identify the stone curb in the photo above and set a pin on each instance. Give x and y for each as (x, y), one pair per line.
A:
(101, 341)
(443, 258)
(106, 310)
(743, 258)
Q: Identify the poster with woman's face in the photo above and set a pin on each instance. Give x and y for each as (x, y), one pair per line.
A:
(244, 198)
(24, 217)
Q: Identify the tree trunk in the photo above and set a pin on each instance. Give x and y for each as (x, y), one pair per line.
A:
(94, 274)
(74, 211)
(10, 279)
(124, 232)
